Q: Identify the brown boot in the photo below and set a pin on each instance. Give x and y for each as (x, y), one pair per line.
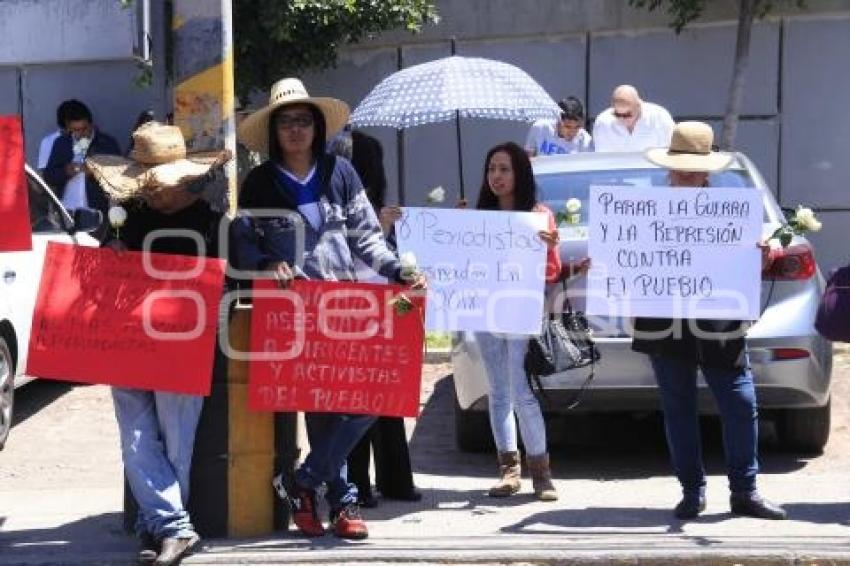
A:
(509, 474)
(541, 477)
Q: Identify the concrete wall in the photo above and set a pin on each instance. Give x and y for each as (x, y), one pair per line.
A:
(49, 31)
(52, 50)
(793, 124)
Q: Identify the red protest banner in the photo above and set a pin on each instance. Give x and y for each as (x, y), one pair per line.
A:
(15, 232)
(145, 321)
(335, 347)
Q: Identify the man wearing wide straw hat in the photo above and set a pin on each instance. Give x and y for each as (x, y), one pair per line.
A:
(717, 347)
(159, 187)
(321, 220)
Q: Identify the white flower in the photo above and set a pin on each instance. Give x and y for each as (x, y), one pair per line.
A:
(408, 264)
(805, 217)
(117, 216)
(437, 195)
(81, 146)
(573, 205)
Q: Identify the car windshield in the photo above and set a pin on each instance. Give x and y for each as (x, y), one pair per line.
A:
(556, 188)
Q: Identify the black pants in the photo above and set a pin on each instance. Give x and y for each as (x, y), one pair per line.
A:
(393, 476)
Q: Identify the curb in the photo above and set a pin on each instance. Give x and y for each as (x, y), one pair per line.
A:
(437, 356)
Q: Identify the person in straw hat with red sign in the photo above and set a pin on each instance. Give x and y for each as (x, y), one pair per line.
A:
(678, 348)
(321, 220)
(159, 187)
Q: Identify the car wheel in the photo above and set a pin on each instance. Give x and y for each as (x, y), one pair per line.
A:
(7, 390)
(472, 429)
(805, 430)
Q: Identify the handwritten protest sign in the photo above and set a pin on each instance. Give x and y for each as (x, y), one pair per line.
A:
(15, 232)
(129, 320)
(675, 252)
(486, 270)
(335, 347)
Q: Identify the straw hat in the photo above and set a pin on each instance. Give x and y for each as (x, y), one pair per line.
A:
(253, 132)
(157, 162)
(690, 150)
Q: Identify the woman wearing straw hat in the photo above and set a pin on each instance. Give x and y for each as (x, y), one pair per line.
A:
(717, 347)
(159, 186)
(322, 197)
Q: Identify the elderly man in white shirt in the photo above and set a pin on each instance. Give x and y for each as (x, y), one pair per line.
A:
(632, 124)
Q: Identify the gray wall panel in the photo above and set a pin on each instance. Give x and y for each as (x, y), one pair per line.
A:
(689, 74)
(39, 31)
(356, 74)
(831, 250)
(815, 126)
(759, 140)
(9, 91)
(106, 88)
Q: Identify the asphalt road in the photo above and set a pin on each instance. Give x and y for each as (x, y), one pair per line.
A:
(60, 495)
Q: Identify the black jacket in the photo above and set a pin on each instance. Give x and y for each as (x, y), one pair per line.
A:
(63, 153)
(709, 343)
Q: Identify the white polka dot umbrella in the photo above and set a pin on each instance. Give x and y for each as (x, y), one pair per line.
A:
(441, 90)
(452, 88)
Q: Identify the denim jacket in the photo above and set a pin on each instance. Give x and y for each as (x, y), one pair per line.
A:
(268, 225)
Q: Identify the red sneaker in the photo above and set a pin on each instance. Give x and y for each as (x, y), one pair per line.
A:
(349, 523)
(303, 505)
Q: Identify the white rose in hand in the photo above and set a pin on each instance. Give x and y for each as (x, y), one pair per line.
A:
(81, 146)
(408, 265)
(805, 217)
(117, 216)
(437, 195)
(573, 205)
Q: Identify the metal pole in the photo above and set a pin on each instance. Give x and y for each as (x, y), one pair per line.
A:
(204, 90)
(459, 154)
(400, 142)
(458, 136)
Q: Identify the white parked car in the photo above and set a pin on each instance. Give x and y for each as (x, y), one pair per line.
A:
(20, 273)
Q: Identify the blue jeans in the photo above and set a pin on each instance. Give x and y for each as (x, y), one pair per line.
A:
(504, 357)
(157, 432)
(735, 395)
(332, 437)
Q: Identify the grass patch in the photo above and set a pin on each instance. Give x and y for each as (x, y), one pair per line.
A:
(438, 340)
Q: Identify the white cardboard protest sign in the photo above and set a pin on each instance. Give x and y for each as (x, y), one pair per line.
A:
(675, 252)
(485, 269)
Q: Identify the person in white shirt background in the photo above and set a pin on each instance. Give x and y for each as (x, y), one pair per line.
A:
(46, 145)
(631, 124)
(567, 135)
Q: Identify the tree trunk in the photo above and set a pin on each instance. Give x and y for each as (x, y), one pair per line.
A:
(746, 15)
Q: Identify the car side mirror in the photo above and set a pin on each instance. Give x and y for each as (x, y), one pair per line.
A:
(87, 220)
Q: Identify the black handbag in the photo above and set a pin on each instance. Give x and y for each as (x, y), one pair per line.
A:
(564, 344)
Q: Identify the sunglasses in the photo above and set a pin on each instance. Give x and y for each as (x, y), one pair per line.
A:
(287, 122)
(623, 115)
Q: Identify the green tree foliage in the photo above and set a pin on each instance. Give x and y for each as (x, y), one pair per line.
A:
(683, 12)
(278, 38)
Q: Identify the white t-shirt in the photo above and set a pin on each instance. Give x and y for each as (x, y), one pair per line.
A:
(543, 139)
(46, 147)
(653, 129)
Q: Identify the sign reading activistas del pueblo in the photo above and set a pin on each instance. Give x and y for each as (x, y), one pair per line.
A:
(15, 231)
(338, 347)
(486, 270)
(675, 252)
(145, 321)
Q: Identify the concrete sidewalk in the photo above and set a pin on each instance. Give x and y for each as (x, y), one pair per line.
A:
(596, 522)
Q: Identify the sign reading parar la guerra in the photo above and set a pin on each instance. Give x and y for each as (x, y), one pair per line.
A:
(675, 252)
(485, 268)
